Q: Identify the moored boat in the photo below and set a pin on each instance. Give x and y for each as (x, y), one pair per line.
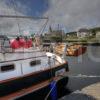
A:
(76, 50)
(23, 70)
(25, 67)
(72, 50)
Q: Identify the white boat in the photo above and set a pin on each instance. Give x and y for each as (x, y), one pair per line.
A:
(24, 70)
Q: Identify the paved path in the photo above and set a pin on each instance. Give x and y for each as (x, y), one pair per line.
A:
(91, 92)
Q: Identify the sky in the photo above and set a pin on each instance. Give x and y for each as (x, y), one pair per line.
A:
(69, 14)
(23, 8)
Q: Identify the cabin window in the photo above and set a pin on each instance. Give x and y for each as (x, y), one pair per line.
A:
(35, 62)
(5, 68)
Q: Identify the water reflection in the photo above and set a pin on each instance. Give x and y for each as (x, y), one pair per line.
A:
(84, 64)
(84, 70)
(79, 83)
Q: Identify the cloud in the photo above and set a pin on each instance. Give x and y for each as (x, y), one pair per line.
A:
(70, 14)
(16, 25)
(74, 14)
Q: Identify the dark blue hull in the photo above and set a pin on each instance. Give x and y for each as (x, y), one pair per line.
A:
(16, 85)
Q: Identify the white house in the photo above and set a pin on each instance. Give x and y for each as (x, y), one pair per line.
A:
(81, 33)
(98, 35)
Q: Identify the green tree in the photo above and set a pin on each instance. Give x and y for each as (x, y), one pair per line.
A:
(56, 38)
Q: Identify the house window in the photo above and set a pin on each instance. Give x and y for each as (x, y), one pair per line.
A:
(5, 68)
(35, 62)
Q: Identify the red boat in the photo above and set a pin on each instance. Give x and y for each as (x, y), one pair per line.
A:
(76, 50)
(73, 50)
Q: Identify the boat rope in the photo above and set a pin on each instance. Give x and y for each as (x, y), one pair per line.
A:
(43, 27)
(46, 98)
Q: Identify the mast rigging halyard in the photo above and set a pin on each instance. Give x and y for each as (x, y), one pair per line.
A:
(26, 17)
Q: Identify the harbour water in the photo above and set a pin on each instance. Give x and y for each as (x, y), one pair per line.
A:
(83, 71)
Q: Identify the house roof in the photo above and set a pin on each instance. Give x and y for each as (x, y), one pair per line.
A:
(83, 30)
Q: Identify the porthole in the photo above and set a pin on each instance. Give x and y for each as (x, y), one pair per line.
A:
(35, 62)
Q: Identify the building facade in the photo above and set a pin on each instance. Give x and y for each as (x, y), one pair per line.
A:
(82, 33)
(98, 35)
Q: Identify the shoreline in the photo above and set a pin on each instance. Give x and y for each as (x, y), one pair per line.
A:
(86, 43)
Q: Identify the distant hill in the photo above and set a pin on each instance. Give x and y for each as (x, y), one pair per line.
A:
(95, 29)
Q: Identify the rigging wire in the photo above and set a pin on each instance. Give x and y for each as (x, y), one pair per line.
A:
(17, 20)
(22, 16)
(44, 26)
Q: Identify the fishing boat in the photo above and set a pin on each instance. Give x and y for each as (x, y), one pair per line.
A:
(72, 50)
(25, 68)
(76, 50)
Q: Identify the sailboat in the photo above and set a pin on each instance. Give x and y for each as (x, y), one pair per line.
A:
(25, 68)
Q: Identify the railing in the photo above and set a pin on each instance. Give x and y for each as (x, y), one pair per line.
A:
(4, 49)
(8, 49)
(22, 59)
